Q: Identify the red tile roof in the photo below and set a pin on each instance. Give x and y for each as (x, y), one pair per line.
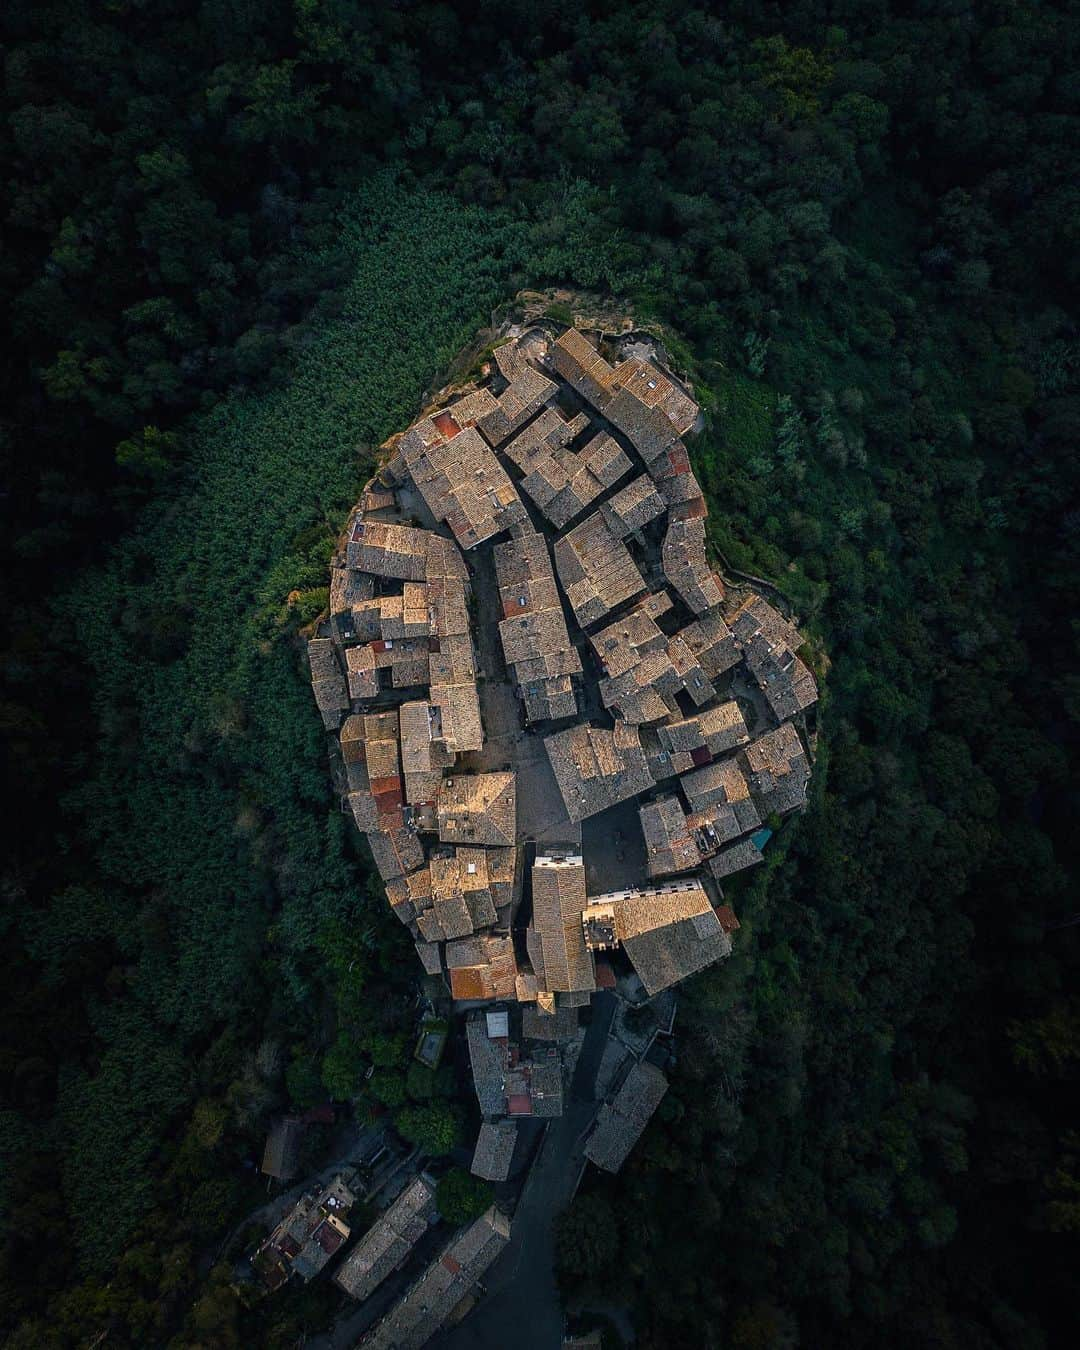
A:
(605, 976)
(388, 795)
(728, 921)
(468, 982)
(446, 424)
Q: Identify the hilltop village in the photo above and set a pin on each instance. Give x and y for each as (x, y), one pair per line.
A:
(558, 731)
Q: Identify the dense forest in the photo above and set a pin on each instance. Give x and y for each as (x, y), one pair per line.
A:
(240, 242)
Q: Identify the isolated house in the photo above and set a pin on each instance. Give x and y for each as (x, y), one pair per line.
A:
(281, 1154)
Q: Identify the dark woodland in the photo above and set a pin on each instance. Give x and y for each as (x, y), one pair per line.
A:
(240, 242)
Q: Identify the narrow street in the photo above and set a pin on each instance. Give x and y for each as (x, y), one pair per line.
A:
(522, 1307)
(541, 814)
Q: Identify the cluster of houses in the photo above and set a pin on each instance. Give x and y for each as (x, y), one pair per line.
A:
(517, 1068)
(444, 1285)
(316, 1227)
(566, 479)
(310, 1233)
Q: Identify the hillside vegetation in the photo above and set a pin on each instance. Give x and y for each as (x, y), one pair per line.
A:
(243, 241)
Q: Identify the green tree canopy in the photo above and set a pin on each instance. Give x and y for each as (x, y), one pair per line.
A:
(461, 1197)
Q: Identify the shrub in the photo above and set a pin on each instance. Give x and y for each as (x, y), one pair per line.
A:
(461, 1197)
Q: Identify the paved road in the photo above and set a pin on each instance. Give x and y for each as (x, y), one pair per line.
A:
(522, 1307)
(583, 1085)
